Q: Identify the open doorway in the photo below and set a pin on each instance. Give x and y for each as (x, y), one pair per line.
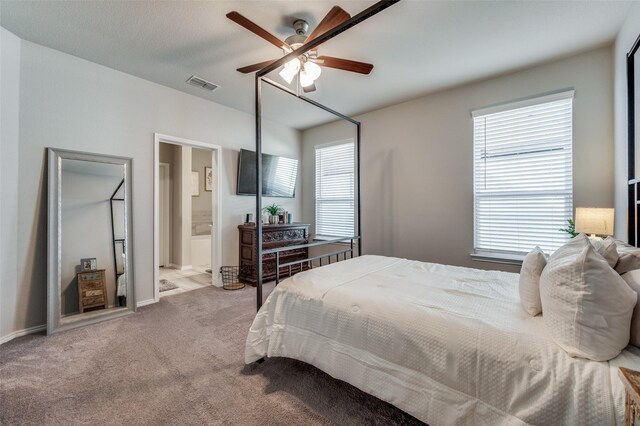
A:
(186, 215)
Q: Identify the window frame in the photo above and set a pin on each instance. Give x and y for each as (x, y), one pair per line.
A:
(512, 257)
(323, 237)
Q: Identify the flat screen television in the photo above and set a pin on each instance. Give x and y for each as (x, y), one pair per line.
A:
(279, 175)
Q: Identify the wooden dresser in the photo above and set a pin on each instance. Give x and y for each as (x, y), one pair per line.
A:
(92, 290)
(273, 236)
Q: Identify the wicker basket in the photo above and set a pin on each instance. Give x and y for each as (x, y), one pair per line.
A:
(230, 279)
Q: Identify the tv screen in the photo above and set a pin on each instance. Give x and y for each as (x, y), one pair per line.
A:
(279, 175)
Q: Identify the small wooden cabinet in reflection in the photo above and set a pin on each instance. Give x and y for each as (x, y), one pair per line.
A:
(92, 290)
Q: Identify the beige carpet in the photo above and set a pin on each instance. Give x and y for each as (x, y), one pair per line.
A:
(178, 362)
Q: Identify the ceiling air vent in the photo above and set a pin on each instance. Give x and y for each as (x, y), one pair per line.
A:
(203, 84)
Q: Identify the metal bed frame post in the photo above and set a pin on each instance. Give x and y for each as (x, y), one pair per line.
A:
(258, 191)
(113, 230)
(359, 215)
(633, 195)
(261, 77)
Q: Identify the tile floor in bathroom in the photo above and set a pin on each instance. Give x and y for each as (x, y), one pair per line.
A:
(187, 280)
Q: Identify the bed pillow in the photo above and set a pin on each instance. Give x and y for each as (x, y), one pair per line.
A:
(607, 249)
(627, 262)
(587, 305)
(529, 285)
(632, 278)
(629, 259)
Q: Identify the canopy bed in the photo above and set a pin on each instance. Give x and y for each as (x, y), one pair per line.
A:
(449, 345)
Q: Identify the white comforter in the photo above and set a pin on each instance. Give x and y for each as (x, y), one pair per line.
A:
(448, 345)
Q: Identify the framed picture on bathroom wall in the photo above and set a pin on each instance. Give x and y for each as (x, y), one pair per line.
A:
(208, 179)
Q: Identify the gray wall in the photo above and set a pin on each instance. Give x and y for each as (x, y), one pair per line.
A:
(626, 37)
(9, 142)
(417, 158)
(70, 103)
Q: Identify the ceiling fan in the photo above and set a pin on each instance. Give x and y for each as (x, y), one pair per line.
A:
(307, 66)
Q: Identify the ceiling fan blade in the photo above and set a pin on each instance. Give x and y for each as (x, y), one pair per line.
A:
(335, 17)
(255, 67)
(311, 88)
(344, 64)
(257, 30)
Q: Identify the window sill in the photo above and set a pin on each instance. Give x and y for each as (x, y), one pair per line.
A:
(319, 238)
(498, 257)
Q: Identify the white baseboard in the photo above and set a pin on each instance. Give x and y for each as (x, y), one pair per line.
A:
(24, 332)
(180, 268)
(145, 302)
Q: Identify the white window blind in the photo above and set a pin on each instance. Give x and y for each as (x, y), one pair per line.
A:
(335, 188)
(523, 178)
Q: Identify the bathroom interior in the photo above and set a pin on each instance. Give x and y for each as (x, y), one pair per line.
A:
(186, 192)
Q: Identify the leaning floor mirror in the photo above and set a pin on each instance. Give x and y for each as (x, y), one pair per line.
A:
(90, 277)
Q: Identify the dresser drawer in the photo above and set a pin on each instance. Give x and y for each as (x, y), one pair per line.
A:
(92, 301)
(89, 276)
(284, 235)
(93, 293)
(91, 285)
(99, 291)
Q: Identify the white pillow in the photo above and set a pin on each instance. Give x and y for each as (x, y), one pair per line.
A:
(629, 259)
(587, 306)
(632, 278)
(529, 285)
(627, 262)
(607, 249)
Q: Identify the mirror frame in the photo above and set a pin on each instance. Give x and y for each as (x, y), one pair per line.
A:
(55, 322)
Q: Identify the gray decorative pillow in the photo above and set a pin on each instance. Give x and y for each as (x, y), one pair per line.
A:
(627, 262)
(607, 249)
(629, 259)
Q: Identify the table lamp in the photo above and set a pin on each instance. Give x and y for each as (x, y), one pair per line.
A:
(594, 221)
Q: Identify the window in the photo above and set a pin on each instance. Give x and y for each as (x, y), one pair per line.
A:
(335, 189)
(523, 178)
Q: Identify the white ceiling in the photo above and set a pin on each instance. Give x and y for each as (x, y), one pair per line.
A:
(416, 47)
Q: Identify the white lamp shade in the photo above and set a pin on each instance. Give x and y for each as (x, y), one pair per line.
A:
(312, 70)
(305, 79)
(290, 70)
(287, 74)
(293, 65)
(596, 221)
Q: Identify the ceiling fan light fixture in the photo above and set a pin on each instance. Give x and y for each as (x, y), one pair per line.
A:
(312, 70)
(290, 70)
(305, 79)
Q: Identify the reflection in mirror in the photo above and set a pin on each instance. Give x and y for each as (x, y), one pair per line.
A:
(88, 211)
(90, 216)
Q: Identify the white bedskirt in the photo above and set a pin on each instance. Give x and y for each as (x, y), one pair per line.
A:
(448, 345)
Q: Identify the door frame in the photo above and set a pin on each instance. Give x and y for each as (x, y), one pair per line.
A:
(216, 242)
(165, 208)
